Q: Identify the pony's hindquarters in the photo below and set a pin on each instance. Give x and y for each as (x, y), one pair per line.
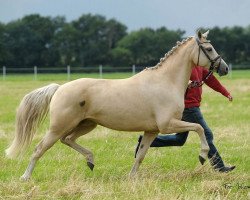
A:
(31, 111)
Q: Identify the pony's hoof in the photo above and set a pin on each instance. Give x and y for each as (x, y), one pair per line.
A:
(90, 165)
(24, 178)
(132, 176)
(202, 160)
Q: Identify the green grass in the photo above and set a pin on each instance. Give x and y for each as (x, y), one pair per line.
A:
(166, 173)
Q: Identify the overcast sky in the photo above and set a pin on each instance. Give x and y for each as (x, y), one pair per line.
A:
(187, 15)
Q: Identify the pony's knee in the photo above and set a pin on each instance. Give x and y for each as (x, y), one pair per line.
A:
(65, 140)
(199, 128)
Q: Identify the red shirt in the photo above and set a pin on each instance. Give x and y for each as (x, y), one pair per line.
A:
(193, 95)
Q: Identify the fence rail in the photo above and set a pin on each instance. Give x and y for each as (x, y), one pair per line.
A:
(68, 70)
(72, 70)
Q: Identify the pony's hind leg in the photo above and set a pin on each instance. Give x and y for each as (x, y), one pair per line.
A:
(83, 128)
(47, 142)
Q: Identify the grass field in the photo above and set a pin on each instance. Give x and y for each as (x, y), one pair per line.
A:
(166, 173)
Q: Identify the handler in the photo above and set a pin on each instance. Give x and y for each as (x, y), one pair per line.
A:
(192, 113)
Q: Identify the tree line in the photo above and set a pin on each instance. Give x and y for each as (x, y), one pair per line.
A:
(92, 40)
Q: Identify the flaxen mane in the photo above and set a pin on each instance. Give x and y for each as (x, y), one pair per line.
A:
(169, 53)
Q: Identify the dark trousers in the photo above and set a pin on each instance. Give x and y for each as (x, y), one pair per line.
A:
(192, 115)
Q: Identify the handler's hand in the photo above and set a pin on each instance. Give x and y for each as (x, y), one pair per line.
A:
(193, 84)
(230, 98)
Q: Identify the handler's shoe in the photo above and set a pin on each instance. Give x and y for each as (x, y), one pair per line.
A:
(226, 169)
(138, 145)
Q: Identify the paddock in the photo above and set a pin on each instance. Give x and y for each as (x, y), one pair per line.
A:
(173, 172)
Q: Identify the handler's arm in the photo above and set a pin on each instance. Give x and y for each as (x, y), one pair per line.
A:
(213, 83)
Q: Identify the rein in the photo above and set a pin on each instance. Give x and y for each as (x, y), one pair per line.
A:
(198, 83)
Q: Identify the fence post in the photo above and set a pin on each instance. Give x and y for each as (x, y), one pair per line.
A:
(68, 72)
(4, 72)
(35, 73)
(133, 69)
(100, 71)
(230, 70)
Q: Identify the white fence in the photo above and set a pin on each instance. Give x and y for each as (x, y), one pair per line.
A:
(68, 70)
(97, 70)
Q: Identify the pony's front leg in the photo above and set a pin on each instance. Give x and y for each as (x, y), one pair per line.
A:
(178, 126)
(147, 139)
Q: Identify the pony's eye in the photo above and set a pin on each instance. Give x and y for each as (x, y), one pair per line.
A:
(209, 49)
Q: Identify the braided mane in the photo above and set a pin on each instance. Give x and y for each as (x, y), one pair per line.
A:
(169, 53)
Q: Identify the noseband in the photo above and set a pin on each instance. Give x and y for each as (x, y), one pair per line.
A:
(212, 61)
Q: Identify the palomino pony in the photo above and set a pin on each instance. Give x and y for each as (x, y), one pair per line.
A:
(150, 101)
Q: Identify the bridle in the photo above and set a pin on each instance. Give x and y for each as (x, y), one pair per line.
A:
(212, 65)
(212, 61)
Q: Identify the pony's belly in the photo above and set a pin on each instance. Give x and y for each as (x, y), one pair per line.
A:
(128, 124)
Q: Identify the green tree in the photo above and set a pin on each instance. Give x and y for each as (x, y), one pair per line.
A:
(121, 57)
(140, 44)
(147, 46)
(65, 41)
(3, 50)
(115, 31)
(231, 43)
(95, 38)
(246, 53)
(164, 41)
(29, 41)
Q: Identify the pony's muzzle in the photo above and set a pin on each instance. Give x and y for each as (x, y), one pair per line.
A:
(223, 68)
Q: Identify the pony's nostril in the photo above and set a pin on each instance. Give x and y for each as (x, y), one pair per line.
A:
(226, 70)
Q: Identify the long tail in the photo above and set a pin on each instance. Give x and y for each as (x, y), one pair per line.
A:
(31, 112)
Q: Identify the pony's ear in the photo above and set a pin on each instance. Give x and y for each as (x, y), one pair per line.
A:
(199, 34)
(205, 34)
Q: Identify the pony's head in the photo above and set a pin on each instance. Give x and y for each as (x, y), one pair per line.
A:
(205, 55)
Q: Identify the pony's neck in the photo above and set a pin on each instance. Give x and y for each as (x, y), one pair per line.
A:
(178, 66)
